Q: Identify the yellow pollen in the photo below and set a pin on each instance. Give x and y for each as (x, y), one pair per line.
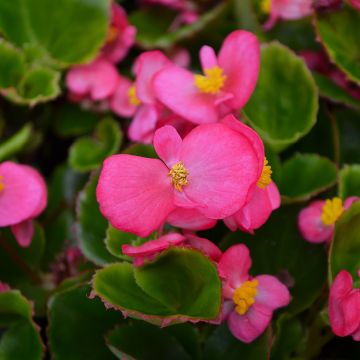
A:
(244, 296)
(265, 177)
(179, 176)
(331, 211)
(265, 6)
(1, 184)
(212, 82)
(112, 34)
(132, 96)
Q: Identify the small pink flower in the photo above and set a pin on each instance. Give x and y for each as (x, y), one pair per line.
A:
(23, 196)
(286, 10)
(205, 171)
(316, 222)
(344, 306)
(249, 301)
(95, 81)
(229, 80)
(4, 287)
(121, 36)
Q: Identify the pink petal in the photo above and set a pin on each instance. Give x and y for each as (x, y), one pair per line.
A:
(24, 195)
(222, 167)
(189, 219)
(310, 225)
(204, 245)
(234, 267)
(248, 327)
(349, 201)
(23, 232)
(119, 101)
(4, 287)
(135, 194)
(147, 65)
(167, 144)
(208, 58)
(239, 57)
(291, 10)
(175, 88)
(271, 293)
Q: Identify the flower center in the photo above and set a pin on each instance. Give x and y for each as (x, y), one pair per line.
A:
(112, 34)
(179, 175)
(265, 6)
(133, 99)
(212, 82)
(331, 211)
(265, 177)
(1, 184)
(244, 295)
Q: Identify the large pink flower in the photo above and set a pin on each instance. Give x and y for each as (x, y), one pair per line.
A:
(229, 80)
(212, 169)
(249, 301)
(316, 222)
(23, 196)
(344, 306)
(121, 36)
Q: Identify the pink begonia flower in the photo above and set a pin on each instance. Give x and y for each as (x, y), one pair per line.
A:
(316, 222)
(23, 196)
(355, 4)
(149, 250)
(286, 10)
(344, 306)
(249, 302)
(227, 85)
(95, 81)
(4, 287)
(121, 36)
(205, 171)
(265, 196)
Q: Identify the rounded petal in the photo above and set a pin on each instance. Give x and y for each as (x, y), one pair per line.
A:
(204, 245)
(189, 219)
(23, 232)
(24, 195)
(119, 101)
(239, 57)
(135, 194)
(208, 57)
(175, 88)
(310, 225)
(147, 65)
(271, 293)
(222, 167)
(167, 144)
(248, 327)
(234, 267)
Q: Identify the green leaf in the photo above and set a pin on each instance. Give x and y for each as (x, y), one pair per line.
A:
(20, 338)
(306, 175)
(144, 150)
(143, 341)
(15, 143)
(115, 239)
(181, 283)
(349, 182)
(91, 227)
(279, 249)
(284, 105)
(54, 26)
(345, 249)
(221, 344)
(336, 30)
(88, 153)
(77, 325)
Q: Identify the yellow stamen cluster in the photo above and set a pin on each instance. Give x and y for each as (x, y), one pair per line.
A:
(212, 82)
(244, 296)
(331, 211)
(179, 176)
(133, 99)
(112, 34)
(265, 6)
(265, 177)
(1, 184)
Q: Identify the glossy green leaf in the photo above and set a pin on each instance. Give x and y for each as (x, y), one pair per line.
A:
(279, 249)
(338, 32)
(66, 32)
(77, 325)
(116, 238)
(345, 249)
(142, 341)
(91, 227)
(306, 175)
(15, 143)
(20, 337)
(349, 181)
(284, 104)
(88, 153)
(221, 344)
